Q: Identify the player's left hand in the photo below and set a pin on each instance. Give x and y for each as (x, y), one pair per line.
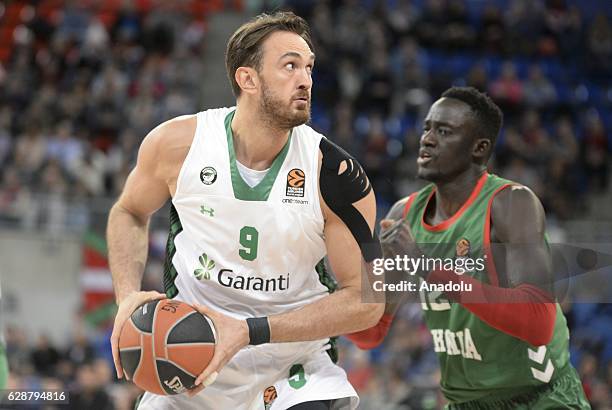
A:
(232, 335)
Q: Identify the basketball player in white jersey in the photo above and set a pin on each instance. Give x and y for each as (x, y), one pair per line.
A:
(258, 199)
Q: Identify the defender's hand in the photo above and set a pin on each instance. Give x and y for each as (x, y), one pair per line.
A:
(397, 239)
(232, 335)
(125, 310)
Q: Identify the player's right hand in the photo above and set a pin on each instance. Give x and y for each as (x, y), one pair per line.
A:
(396, 239)
(126, 307)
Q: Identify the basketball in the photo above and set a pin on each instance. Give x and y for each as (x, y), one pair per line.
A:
(165, 345)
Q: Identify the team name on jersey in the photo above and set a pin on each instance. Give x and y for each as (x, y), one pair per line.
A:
(455, 343)
(230, 279)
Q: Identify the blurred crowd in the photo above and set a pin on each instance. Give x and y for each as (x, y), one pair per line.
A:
(83, 369)
(81, 83)
(381, 64)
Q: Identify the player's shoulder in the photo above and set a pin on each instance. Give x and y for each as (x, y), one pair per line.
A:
(342, 179)
(398, 209)
(307, 137)
(173, 130)
(401, 207)
(167, 145)
(181, 129)
(331, 153)
(514, 194)
(516, 203)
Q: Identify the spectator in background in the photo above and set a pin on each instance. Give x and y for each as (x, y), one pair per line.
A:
(599, 47)
(350, 82)
(493, 34)
(90, 390)
(564, 23)
(17, 351)
(458, 33)
(561, 192)
(402, 18)
(350, 34)
(595, 153)
(539, 91)
(45, 356)
(410, 79)
(322, 26)
(89, 170)
(15, 198)
(537, 147)
(342, 132)
(375, 152)
(31, 152)
(377, 89)
(523, 22)
(63, 146)
(434, 17)
(507, 90)
(80, 350)
(5, 132)
(478, 78)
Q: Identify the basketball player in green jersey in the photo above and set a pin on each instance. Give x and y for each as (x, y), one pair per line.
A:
(511, 352)
(261, 198)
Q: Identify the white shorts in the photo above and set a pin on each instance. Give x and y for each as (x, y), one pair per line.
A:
(288, 374)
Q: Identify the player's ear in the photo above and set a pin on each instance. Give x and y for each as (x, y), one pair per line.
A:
(247, 79)
(482, 147)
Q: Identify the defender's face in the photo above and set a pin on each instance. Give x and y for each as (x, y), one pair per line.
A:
(446, 143)
(286, 78)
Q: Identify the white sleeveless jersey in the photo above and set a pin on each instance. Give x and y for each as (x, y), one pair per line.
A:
(246, 251)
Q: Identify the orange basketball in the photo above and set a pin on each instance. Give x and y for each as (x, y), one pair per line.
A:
(165, 345)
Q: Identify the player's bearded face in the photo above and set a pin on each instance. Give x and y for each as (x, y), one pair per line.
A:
(284, 112)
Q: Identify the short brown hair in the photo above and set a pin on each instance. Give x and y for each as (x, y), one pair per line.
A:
(244, 47)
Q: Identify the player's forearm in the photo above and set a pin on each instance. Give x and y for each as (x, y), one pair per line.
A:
(127, 238)
(339, 313)
(525, 312)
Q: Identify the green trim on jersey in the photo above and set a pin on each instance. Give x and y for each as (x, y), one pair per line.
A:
(170, 272)
(325, 277)
(242, 190)
(330, 283)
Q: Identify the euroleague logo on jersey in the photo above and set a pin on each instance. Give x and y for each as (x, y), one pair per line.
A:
(295, 183)
(462, 249)
(208, 175)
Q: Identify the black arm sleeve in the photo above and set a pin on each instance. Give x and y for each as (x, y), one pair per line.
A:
(341, 190)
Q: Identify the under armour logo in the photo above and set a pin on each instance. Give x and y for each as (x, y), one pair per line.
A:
(207, 211)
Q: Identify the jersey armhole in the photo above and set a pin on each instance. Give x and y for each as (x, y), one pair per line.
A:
(194, 143)
(408, 205)
(317, 192)
(490, 262)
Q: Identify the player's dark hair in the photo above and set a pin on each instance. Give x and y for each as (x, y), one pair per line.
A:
(487, 114)
(244, 47)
